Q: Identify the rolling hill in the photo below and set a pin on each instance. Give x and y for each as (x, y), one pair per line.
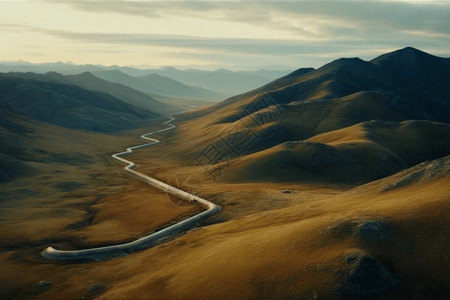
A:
(369, 242)
(357, 154)
(290, 112)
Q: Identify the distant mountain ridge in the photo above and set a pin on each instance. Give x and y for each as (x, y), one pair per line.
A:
(215, 85)
(125, 93)
(222, 80)
(156, 84)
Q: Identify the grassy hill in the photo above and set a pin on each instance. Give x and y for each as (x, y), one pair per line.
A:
(275, 121)
(357, 154)
(371, 242)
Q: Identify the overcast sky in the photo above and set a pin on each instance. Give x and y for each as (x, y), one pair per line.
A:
(213, 34)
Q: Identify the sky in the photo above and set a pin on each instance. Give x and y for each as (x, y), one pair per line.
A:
(237, 35)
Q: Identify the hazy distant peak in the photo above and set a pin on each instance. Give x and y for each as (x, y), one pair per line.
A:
(49, 76)
(113, 71)
(86, 74)
(168, 68)
(54, 75)
(223, 70)
(153, 75)
(160, 78)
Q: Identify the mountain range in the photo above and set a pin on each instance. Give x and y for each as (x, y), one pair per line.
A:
(334, 183)
(222, 80)
(159, 85)
(371, 118)
(169, 81)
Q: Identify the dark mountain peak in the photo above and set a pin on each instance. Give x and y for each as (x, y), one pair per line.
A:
(344, 63)
(412, 50)
(346, 60)
(346, 76)
(300, 72)
(408, 55)
(47, 77)
(406, 52)
(409, 66)
(343, 66)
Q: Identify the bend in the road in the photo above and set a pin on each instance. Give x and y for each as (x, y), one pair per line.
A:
(103, 253)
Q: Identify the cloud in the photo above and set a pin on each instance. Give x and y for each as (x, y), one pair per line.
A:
(207, 47)
(247, 31)
(297, 17)
(202, 44)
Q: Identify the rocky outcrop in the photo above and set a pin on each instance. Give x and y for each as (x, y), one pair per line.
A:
(366, 277)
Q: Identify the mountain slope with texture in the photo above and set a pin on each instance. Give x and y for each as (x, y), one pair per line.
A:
(346, 93)
(367, 243)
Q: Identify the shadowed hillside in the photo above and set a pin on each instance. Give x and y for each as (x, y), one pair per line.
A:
(134, 97)
(284, 117)
(45, 98)
(356, 154)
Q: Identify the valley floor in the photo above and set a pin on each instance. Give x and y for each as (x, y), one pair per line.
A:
(319, 242)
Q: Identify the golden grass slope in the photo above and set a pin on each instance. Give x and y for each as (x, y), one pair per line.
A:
(75, 195)
(367, 242)
(396, 228)
(354, 155)
(340, 94)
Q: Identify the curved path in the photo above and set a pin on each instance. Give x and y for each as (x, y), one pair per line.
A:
(102, 253)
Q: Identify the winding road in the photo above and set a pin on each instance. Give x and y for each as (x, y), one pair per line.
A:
(107, 252)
